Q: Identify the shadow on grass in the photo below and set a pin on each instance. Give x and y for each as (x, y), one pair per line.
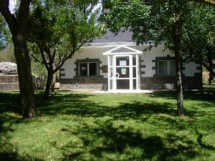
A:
(10, 102)
(106, 139)
(76, 104)
(10, 113)
(13, 156)
(128, 144)
(9, 107)
(201, 142)
(188, 95)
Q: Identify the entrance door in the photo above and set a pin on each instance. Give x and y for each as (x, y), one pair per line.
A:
(123, 72)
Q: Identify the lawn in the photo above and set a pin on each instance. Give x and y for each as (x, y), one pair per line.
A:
(103, 127)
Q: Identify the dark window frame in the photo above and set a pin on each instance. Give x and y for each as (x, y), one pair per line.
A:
(156, 61)
(87, 61)
(168, 66)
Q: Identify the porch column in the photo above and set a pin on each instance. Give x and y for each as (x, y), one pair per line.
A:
(137, 73)
(109, 73)
(131, 72)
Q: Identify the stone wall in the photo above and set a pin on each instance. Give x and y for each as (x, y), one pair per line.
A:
(9, 79)
(9, 86)
(170, 82)
(99, 83)
(9, 82)
(84, 83)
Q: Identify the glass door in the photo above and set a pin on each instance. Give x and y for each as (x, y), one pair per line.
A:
(123, 72)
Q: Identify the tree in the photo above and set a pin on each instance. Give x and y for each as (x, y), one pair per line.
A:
(155, 20)
(199, 39)
(59, 31)
(19, 26)
(2, 42)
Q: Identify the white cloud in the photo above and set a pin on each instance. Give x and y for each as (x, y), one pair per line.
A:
(12, 4)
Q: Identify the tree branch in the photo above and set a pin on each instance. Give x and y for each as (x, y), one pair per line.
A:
(44, 59)
(60, 64)
(23, 12)
(10, 18)
(36, 59)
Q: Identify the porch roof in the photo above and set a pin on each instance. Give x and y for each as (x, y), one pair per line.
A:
(123, 50)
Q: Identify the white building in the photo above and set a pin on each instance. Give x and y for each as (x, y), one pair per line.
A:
(115, 63)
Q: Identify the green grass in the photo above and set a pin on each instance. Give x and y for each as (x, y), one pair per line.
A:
(130, 127)
(209, 87)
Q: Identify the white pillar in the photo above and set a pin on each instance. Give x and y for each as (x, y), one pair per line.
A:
(137, 73)
(114, 73)
(131, 72)
(109, 73)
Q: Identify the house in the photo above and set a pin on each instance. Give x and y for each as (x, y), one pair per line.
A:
(115, 63)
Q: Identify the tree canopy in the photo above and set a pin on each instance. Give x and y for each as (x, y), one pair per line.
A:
(199, 38)
(157, 21)
(57, 32)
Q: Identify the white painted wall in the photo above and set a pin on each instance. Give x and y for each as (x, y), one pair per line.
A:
(91, 53)
(97, 53)
(149, 56)
(191, 69)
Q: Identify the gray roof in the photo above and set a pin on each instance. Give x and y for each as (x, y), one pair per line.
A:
(122, 36)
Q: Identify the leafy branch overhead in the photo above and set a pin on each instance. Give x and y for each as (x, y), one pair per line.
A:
(59, 31)
(165, 21)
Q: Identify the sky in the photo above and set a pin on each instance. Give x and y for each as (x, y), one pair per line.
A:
(12, 5)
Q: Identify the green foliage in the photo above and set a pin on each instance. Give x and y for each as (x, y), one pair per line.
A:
(7, 54)
(81, 126)
(38, 69)
(60, 28)
(1, 24)
(154, 20)
(157, 21)
(199, 35)
(5, 36)
(2, 43)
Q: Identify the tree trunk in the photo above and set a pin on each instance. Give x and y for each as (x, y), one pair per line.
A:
(18, 26)
(178, 64)
(210, 77)
(180, 98)
(25, 76)
(210, 62)
(53, 82)
(48, 84)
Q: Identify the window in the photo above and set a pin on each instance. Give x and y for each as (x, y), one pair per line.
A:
(166, 67)
(88, 69)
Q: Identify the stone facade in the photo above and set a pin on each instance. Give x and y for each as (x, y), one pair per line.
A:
(83, 83)
(9, 86)
(146, 83)
(9, 82)
(9, 79)
(170, 82)
(156, 82)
